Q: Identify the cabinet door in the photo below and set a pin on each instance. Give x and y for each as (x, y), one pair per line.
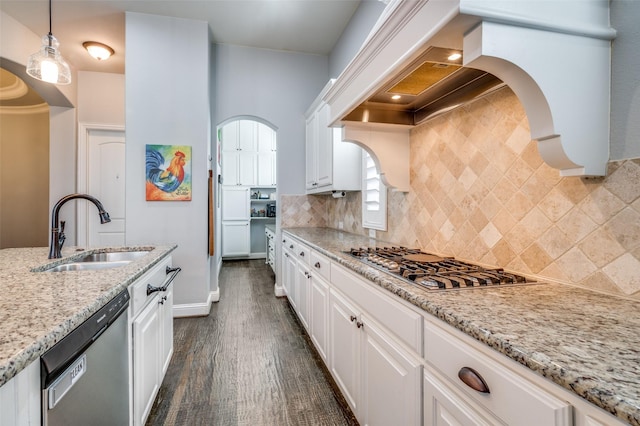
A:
(235, 238)
(146, 360)
(230, 134)
(166, 320)
(230, 167)
(266, 138)
(302, 293)
(235, 203)
(344, 348)
(443, 407)
(266, 169)
(310, 152)
(392, 381)
(247, 135)
(290, 274)
(324, 150)
(319, 310)
(247, 168)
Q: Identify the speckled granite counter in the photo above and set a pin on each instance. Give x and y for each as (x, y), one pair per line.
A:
(586, 342)
(37, 309)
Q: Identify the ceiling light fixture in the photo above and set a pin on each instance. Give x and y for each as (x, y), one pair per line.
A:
(455, 57)
(396, 97)
(98, 50)
(47, 64)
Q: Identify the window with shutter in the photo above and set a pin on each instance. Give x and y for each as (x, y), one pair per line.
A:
(374, 196)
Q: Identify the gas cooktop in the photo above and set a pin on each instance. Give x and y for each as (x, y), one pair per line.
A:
(433, 272)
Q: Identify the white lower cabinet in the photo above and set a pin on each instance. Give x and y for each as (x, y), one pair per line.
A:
(443, 407)
(303, 287)
(151, 318)
(319, 315)
(146, 360)
(344, 348)
(380, 380)
(236, 238)
(20, 398)
(391, 380)
(398, 365)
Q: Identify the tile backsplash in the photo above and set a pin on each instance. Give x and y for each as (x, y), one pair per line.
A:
(481, 192)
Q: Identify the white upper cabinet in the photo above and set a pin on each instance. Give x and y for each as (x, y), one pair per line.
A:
(248, 154)
(331, 165)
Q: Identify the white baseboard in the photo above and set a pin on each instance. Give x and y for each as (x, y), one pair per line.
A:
(215, 295)
(279, 290)
(196, 309)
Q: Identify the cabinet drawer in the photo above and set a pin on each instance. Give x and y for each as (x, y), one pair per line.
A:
(155, 276)
(321, 265)
(511, 398)
(303, 253)
(402, 321)
(289, 243)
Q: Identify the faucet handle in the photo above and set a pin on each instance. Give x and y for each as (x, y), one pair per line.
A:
(62, 223)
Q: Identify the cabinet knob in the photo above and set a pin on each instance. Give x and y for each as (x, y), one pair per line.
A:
(301, 254)
(359, 324)
(317, 265)
(291, 246)
(286, 254)
(473, 379)
(352, 318)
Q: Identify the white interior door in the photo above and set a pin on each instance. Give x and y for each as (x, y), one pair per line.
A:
(105, 180)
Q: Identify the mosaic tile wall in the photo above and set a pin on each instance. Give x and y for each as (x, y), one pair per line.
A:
(481, 192)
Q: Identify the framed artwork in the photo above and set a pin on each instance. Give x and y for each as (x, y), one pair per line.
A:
(168, 172)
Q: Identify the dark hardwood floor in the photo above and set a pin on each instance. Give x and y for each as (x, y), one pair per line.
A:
(248, 363)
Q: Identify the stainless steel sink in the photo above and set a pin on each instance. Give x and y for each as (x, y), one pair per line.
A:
(97, 261)
(87, 266)
(113, 256)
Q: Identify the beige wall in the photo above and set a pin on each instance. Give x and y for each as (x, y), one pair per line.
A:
(481, 192)
(24, 178)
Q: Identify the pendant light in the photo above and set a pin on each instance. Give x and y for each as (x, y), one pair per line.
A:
(47, 64)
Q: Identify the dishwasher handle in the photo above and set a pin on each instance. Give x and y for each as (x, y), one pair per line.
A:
(174, 271)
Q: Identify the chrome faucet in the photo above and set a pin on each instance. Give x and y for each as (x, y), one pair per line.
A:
(57, 231)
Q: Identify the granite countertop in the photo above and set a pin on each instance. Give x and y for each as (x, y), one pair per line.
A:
(587, 342)
(37, 309)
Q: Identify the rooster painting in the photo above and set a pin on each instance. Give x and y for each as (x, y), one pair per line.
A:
(167, 182)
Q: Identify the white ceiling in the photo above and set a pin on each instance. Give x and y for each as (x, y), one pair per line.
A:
(310, 26)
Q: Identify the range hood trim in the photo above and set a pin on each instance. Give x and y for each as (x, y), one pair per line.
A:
(575, 147)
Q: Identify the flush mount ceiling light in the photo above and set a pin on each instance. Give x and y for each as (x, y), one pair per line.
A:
(98, 50)
(454, 56)
(47, 64)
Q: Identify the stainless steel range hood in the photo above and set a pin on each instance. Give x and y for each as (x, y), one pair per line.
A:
(555, 56)
(430, 85)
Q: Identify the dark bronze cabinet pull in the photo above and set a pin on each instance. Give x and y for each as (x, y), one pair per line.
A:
(359, 324)
(301, 254)
(317, 265)
(352, 318)
(473, 379)
(175, 271)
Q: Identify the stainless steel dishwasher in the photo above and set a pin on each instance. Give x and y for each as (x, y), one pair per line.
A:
(85, 376)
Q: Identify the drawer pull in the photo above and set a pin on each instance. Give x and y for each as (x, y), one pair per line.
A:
(359, 324)
(175, 271)
(291, 246)
(301, 254)
(473, 379)
(352, 318)
(317, 265)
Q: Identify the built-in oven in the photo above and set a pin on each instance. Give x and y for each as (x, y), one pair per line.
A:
(85, 376)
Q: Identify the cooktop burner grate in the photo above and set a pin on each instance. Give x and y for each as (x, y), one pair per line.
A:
(431, 271)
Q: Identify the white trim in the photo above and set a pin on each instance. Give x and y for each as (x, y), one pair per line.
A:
(196, 309)
(83, 174)
(279, 290)
(215, 295)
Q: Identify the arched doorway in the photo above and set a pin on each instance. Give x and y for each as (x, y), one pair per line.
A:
(246, 149)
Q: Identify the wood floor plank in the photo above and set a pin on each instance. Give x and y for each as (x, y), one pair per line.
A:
(249, 362)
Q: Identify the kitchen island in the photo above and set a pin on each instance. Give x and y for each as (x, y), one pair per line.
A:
(583, 341)
(38, 309)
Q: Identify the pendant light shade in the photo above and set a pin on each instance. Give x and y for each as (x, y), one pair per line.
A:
(47, 64)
